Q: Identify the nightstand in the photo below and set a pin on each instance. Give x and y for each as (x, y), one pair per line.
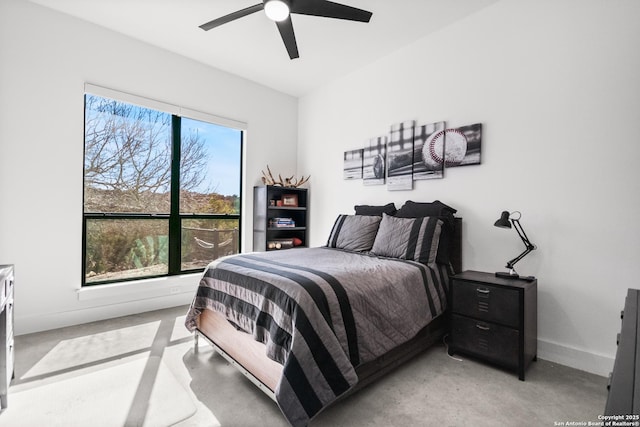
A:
(494, 319)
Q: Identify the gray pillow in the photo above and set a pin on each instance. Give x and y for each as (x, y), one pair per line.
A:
(415, 239)
(354, 232)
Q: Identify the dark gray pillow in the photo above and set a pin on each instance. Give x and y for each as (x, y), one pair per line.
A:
(389, 208)
(414, 210)
(437, 209)
(415, 239)
(354, 232)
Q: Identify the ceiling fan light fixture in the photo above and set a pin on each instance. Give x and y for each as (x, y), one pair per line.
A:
(276, 10)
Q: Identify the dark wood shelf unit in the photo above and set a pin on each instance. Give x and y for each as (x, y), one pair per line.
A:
(495, 319)
(263, 211)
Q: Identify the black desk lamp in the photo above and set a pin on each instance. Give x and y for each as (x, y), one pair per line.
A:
(505, 221)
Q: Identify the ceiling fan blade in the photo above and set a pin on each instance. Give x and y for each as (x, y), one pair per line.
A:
(329, 9)
(288, 37)
(232, 16)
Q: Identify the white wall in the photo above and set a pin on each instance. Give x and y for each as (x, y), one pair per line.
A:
(555, 84)
(45, 59)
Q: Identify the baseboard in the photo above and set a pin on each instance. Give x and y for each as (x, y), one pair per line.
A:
(575, 358)
(101, 302)
(48, 321)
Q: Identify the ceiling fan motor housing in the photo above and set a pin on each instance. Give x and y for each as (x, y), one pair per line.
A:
(276, 10)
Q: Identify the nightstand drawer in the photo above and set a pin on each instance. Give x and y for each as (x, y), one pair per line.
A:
(489, 340)
(486, 302)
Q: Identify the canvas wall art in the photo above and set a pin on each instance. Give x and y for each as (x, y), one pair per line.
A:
(353, 164)
(411, 153)
(374, 161)
(428, 155)
(400, 156)
(463, 145)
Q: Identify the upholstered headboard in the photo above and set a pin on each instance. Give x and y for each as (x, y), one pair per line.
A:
(456, 250)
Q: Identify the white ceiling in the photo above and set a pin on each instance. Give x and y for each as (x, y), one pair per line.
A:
(251, 47)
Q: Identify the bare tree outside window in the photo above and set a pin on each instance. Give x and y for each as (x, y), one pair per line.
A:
(127, 190)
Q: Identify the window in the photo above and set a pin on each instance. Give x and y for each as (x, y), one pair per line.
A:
(162, 190)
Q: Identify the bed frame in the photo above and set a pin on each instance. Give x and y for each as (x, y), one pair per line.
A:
(249, 356)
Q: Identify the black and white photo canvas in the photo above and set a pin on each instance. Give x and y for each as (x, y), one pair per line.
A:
(400, 156)
(353, 164)
(374, 161)
(463, 145)
(428, 151)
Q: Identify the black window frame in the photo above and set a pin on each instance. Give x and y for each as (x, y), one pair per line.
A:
(174, 217)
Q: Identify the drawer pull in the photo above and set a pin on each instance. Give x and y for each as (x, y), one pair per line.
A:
(618, 339)
(482, 327)
(483, 291)
(622, 314)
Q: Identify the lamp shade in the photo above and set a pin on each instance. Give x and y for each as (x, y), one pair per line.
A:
(276, 10)
(503, 222)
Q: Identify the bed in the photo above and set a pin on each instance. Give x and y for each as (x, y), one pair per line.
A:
(311, 325)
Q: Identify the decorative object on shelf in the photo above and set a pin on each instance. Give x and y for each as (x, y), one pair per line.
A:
(290, 200)
(505, 221)
(280, 244)
(282, 223)
(268, 179)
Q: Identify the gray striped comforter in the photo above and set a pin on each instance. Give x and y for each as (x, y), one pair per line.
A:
(321, 312)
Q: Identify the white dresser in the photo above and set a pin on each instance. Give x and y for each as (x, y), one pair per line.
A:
(6, 332)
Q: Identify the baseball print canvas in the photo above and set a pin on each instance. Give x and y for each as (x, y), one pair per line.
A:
(428, 151)
(463, 145)
(374, 161)
(400, 156)
(353, 164)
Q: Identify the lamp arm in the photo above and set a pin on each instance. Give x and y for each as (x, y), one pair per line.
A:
(511, 263)
(527, 243)
(522, 234)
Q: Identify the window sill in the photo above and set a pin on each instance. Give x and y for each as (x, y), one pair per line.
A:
(141, 289)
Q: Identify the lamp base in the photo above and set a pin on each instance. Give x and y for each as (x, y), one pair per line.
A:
(507, 275)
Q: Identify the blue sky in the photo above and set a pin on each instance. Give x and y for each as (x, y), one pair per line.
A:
(223, 151)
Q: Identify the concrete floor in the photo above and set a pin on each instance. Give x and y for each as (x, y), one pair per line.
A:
(141, 370)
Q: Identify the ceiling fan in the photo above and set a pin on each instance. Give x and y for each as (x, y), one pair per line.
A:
(280, 11)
